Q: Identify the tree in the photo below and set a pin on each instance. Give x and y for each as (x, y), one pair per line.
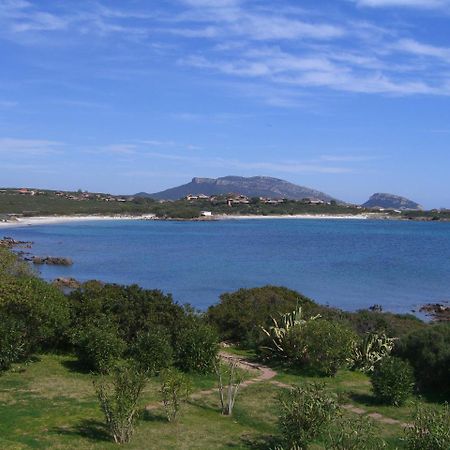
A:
(229, 380)
(175, 390)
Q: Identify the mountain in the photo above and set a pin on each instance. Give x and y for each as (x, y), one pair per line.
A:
(251, 187)
(389, 201)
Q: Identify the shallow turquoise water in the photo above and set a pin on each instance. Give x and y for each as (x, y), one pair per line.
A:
(346, 263)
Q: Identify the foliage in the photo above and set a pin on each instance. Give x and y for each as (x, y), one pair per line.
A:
(430, 429)
(428, 351)
(98, 345)
(152, 350)
(392, 381)
(13, 343)
(369, 351)
(354, 433)
(196, 346)
(175, 390)
(304, 413)
(283, 342)
(328, 346)
(119, 399)
(42, 309)
(240, 314)
(231, 386)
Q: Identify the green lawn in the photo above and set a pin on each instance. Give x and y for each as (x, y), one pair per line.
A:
(49, 404)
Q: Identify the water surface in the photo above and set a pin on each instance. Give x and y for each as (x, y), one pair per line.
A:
(351, 264)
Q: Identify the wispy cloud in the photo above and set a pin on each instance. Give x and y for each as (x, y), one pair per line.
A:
(29, 147)
(422, 4)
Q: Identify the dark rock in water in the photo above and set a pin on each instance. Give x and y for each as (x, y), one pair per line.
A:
(52, 261)
(10, 242)
(437, 311)
(70, 283)
(376, 308)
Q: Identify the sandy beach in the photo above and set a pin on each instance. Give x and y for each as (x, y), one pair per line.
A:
(49, 220)
(295, 216)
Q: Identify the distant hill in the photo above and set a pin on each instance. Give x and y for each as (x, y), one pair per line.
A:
(251, 187)
(389, 201)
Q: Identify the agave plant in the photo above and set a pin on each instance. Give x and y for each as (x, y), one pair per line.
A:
(283, 332)
(370, 350)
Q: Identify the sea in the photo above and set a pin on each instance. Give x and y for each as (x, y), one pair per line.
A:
(350, 264)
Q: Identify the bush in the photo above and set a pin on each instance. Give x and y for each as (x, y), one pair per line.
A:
(98, 345)
(392, 381)
(430, 429)
(355, 433)
(328, 346)
(175, 390)
(119, 399)
(428, 351)
(239, 315)
(304, 412)
(196, 346)
(152, 350)
(13, 343)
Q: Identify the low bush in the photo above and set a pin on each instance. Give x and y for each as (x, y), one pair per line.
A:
(152, 350)
(392, 381)
(328, 346)
(196, 346)
(354, 433)
(175, 390)
(98, 345)
(430, 429)
(119, 397)
(13, 342)
(428, 351)
(304, 412)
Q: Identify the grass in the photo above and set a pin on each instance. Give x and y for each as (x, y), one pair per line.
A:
(48, 403)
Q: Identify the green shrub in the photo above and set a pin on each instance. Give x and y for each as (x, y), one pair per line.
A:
(304, 412)
(119, 396)
(13, 343)
(175, 390)
(392, 381)
(196, 346)
(428, 351)
(239, 315)
(430, 429)
(354, 433)
(152, 350)
(369, 350)
(328, 346)
(98, 345)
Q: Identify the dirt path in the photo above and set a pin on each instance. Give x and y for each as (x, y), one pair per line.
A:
(267, 374)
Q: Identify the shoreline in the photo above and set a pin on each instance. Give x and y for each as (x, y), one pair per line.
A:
(51, 220)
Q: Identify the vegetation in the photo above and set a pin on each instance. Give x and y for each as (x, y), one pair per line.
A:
(119, 400)
(430, 429)
(428, 351)
(392, 381)
(304, 413)
(229, 380)
(175, 390)
(370, 350)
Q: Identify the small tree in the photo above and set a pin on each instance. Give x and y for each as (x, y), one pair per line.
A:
(392, 381)
(175, 390)
(430, 429)
(229, 380)
(304, 412)
(119, 397)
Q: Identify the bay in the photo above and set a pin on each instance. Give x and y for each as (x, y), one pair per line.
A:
(350, 264)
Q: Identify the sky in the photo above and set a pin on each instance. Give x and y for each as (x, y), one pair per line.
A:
(350, 97)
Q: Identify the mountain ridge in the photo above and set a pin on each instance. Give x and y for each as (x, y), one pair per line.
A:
(391, 201)
(257, 186)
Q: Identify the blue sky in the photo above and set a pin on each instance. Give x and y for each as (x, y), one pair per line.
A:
(350, 97)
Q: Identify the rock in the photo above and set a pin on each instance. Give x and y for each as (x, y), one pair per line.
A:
(51, 261)
(70, 283)
(437, 311)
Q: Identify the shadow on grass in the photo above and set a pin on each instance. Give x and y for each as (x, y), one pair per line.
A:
(74, 365)
(261, 442)
(93, 430)
(154, 416)
(363, 399)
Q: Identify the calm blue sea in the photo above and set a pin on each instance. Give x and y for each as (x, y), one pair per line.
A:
(351, 264)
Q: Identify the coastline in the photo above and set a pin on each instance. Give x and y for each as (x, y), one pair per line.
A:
(50, 220)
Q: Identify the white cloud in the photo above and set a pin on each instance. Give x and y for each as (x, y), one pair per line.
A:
(420, 49)
(28, 147)
(424, 4)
